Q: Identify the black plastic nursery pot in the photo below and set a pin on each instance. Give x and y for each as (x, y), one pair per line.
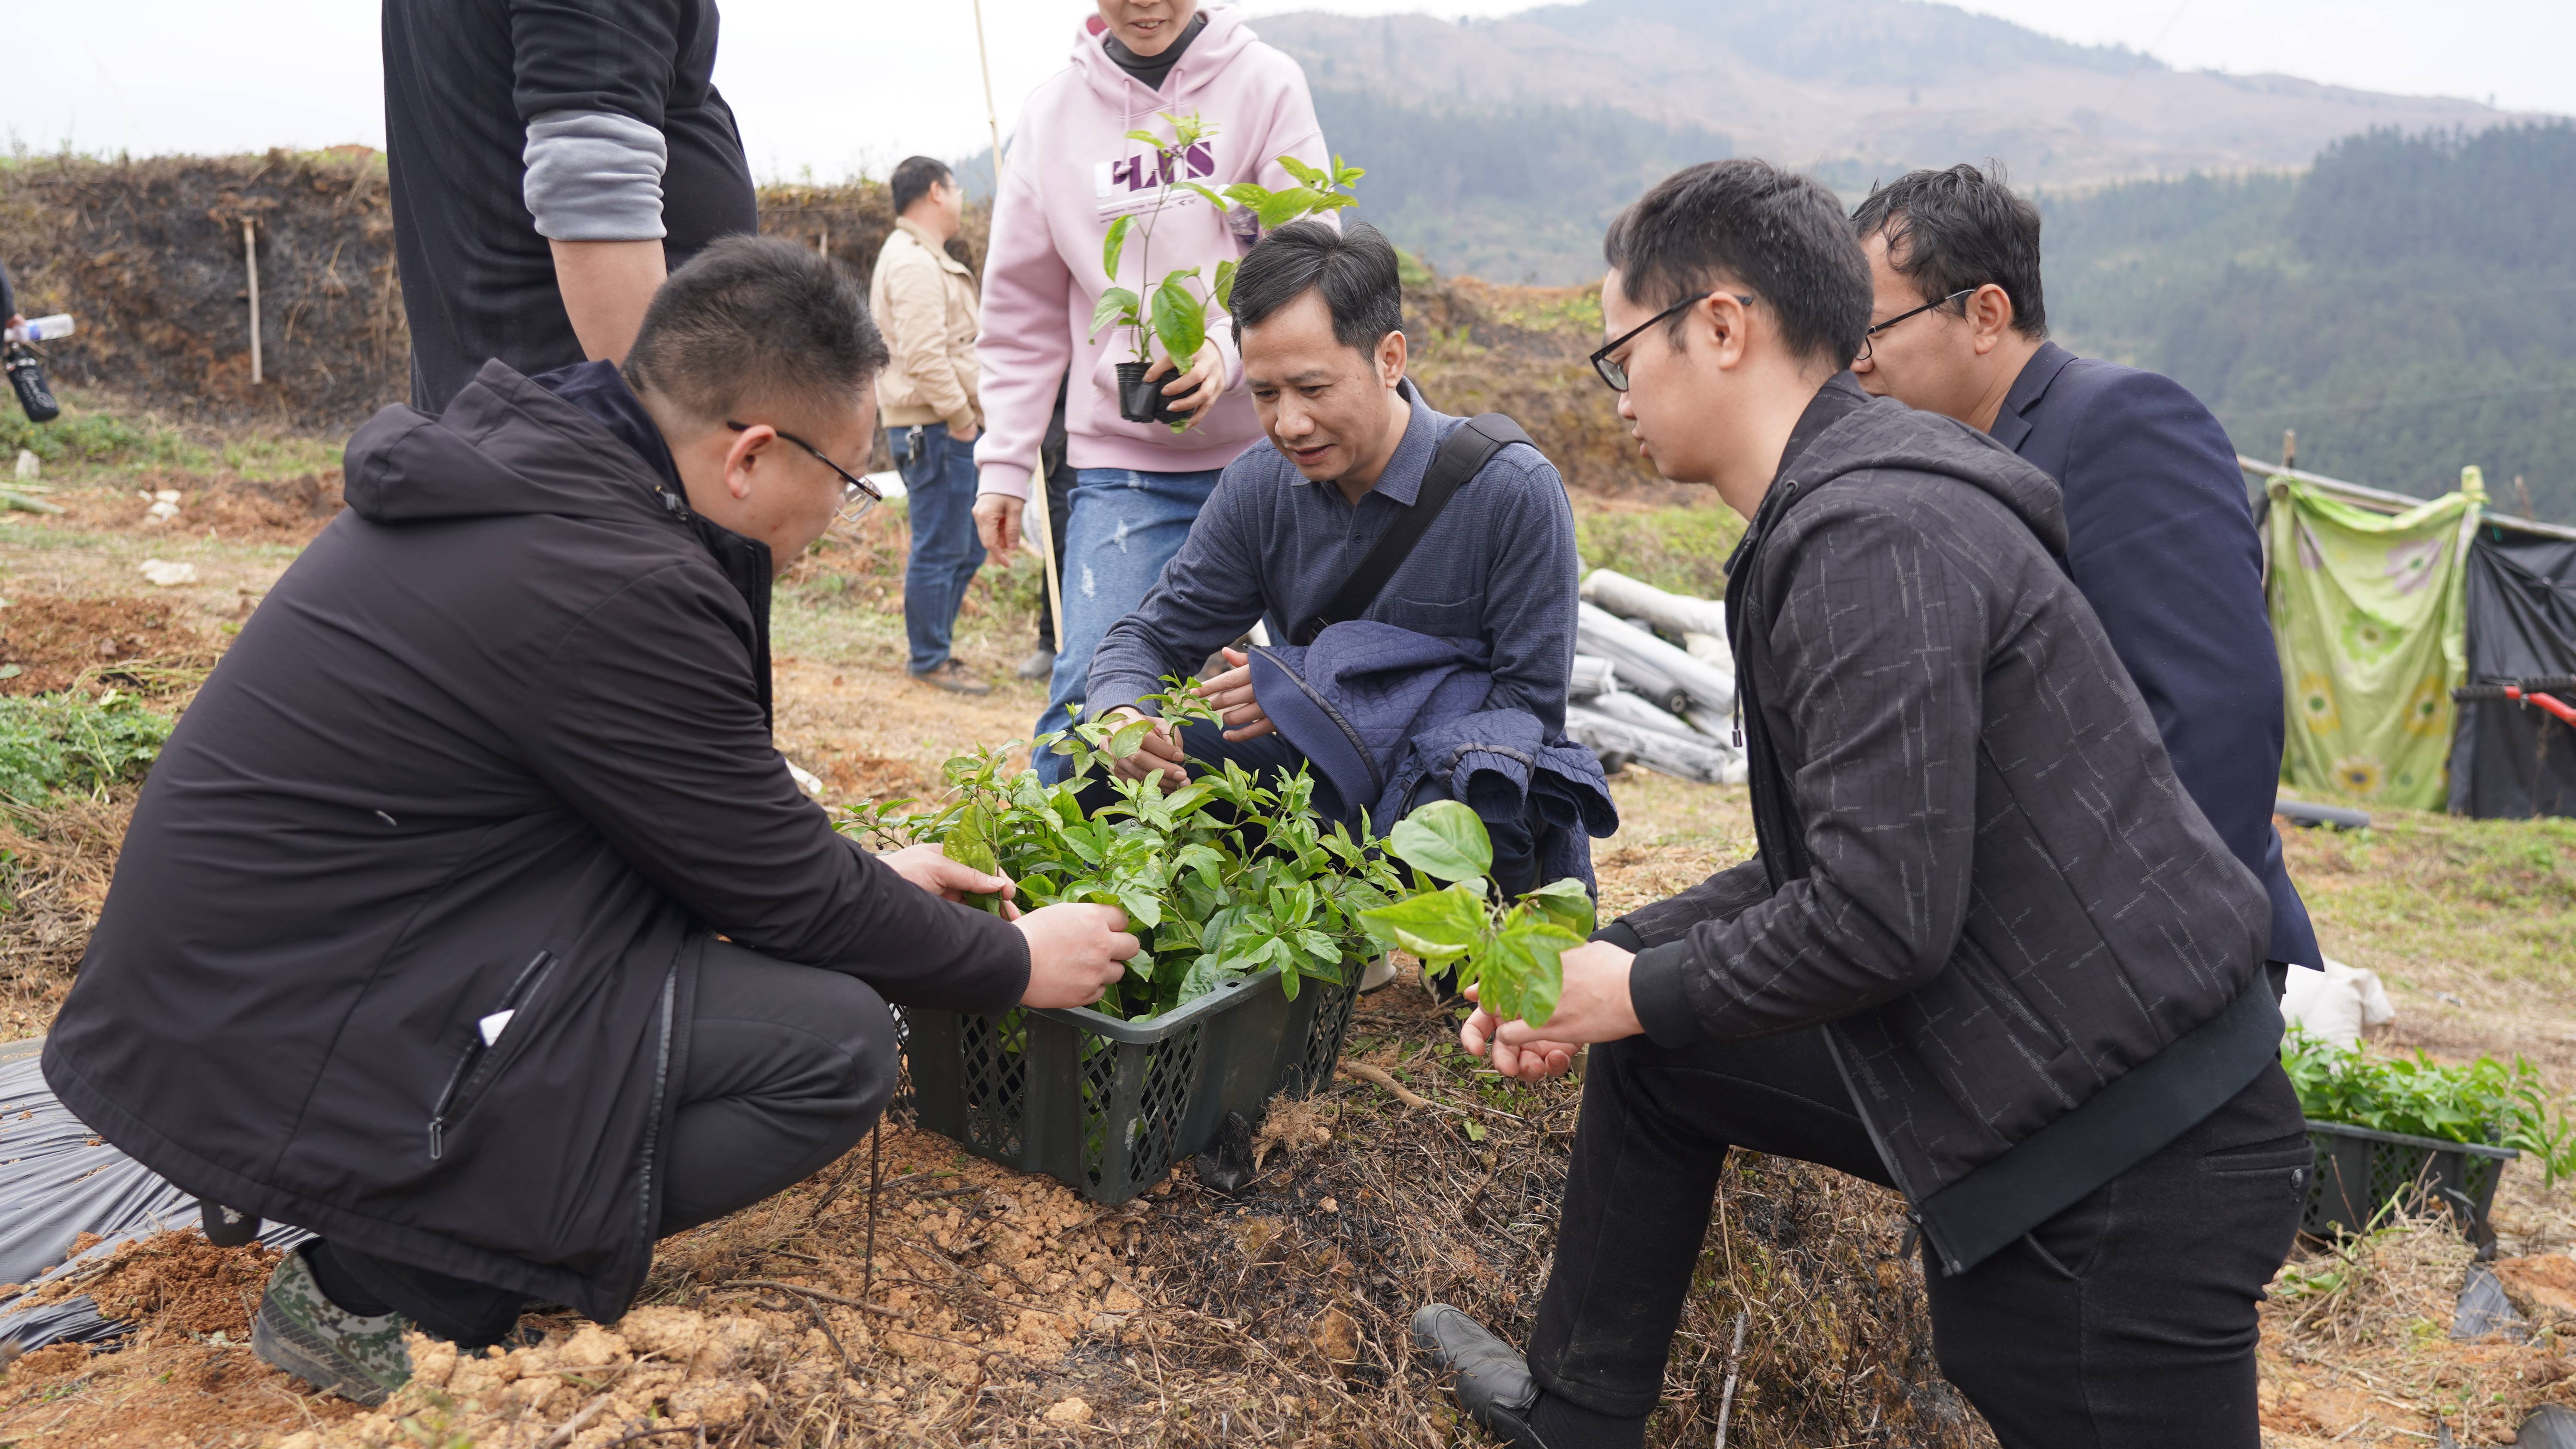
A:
(1141, 400)
(2364, 1177)
(1107, 1106)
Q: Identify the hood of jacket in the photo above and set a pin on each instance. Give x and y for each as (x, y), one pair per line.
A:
(1884, 433)
(499, 450)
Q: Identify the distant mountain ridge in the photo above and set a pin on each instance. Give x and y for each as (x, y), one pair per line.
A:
(1853, 90)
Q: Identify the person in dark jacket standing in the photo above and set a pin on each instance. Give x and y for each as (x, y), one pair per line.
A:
(1988, 953)
(413, 941)
(2159, 534)
(550, 162)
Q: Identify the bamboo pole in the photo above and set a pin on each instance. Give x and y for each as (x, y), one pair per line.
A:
(1041, 525)
(250, 256)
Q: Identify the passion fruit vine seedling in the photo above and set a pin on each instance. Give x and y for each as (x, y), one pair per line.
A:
(1221, 878)
(1174, 310)
(1507, 950)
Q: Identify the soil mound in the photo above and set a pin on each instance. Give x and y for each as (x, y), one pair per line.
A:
(141, 645)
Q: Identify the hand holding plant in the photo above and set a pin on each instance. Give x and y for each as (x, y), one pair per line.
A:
(1509, 953)
(1173, 310)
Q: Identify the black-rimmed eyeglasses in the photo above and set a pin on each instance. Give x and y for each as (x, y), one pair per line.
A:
(858, 495)
(1616, 373)
(1876, 328)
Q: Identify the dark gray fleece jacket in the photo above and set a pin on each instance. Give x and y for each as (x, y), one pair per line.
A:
(2036, 961)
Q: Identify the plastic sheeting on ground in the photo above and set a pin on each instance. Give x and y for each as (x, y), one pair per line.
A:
(2512, 761)
(2372, 626)
(59, 1180)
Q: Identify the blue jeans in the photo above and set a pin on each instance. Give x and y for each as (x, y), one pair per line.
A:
(1124, 527)
(939, 492)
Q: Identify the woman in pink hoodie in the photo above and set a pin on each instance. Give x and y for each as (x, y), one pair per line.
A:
(1072, 170)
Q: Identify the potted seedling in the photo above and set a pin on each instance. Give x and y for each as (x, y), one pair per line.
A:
(1173, 309)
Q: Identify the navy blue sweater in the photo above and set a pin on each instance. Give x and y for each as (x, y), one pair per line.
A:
(1497, 567)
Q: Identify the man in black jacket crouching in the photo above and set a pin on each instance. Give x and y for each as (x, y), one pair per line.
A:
(1989, 953)
(413, 942)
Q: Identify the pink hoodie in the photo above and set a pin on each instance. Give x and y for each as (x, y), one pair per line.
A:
(1071, 172)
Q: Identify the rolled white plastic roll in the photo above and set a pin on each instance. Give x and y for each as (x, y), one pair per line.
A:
(1620, 704)
(1633, 599)
(1592, 675)
(1688, 757)
(1650, 663)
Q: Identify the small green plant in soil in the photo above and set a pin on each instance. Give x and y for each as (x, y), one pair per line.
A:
(52, 742)
(2483, 1101)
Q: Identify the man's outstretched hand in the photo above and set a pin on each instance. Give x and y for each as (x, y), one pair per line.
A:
(1230, 695)
(1593, 1007)
(926, 867)
(1076, 951)
(1160, 751)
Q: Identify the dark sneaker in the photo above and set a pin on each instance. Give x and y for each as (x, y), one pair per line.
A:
(954, 677)
(304, 1333)
(1037, 666)
(1494, 1384)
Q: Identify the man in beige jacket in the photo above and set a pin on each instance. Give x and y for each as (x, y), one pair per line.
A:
(924, 300)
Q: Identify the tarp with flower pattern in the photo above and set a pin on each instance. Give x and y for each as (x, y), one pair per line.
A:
(2373, 630)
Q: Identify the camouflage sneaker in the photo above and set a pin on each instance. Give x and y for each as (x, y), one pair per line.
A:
(304, 1333)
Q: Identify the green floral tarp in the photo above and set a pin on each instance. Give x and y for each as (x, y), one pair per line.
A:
(2372, 622)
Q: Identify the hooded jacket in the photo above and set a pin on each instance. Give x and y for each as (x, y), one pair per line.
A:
(498, 741)
(1071, 172)
(2035, 960)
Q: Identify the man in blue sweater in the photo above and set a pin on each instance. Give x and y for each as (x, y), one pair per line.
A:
(2159, 535)
(1319, 317)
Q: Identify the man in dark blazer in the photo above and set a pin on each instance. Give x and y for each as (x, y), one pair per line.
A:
(2160, 535)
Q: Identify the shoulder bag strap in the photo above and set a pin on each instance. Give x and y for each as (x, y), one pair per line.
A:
(1461, 457)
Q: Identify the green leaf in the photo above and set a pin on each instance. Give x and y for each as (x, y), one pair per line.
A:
(1112, 245)
(1213, 199)
(1248, 193)
(1146, 137)
(1129, 738)
(1475, 1130)
(1143, 908)
(1436, 925)
(1180, 321)
(1224, 288)
(1444, 840)
(1566, 903)
(1303, 172)
(1117, 305)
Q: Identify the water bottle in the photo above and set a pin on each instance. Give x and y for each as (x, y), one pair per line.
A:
(27, 375)
(43, 329)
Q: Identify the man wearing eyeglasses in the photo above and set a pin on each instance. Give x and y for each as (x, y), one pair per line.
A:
(471, 919)
(2160, 537)
(1986, 954)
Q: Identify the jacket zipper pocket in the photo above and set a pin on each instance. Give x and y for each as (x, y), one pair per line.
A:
(474, 1067)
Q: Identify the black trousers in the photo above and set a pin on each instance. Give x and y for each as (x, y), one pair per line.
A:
(2127, 1320)
(788, 1068)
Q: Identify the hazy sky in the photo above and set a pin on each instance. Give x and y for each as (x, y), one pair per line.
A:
(834, 86)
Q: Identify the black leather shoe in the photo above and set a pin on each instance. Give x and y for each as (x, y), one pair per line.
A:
(1494, 1384)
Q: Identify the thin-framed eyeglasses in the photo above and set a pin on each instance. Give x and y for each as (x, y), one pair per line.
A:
(858, 495)
(1616, 373)
(1876, 328)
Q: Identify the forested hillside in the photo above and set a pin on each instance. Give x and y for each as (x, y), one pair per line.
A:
(2405, 305)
